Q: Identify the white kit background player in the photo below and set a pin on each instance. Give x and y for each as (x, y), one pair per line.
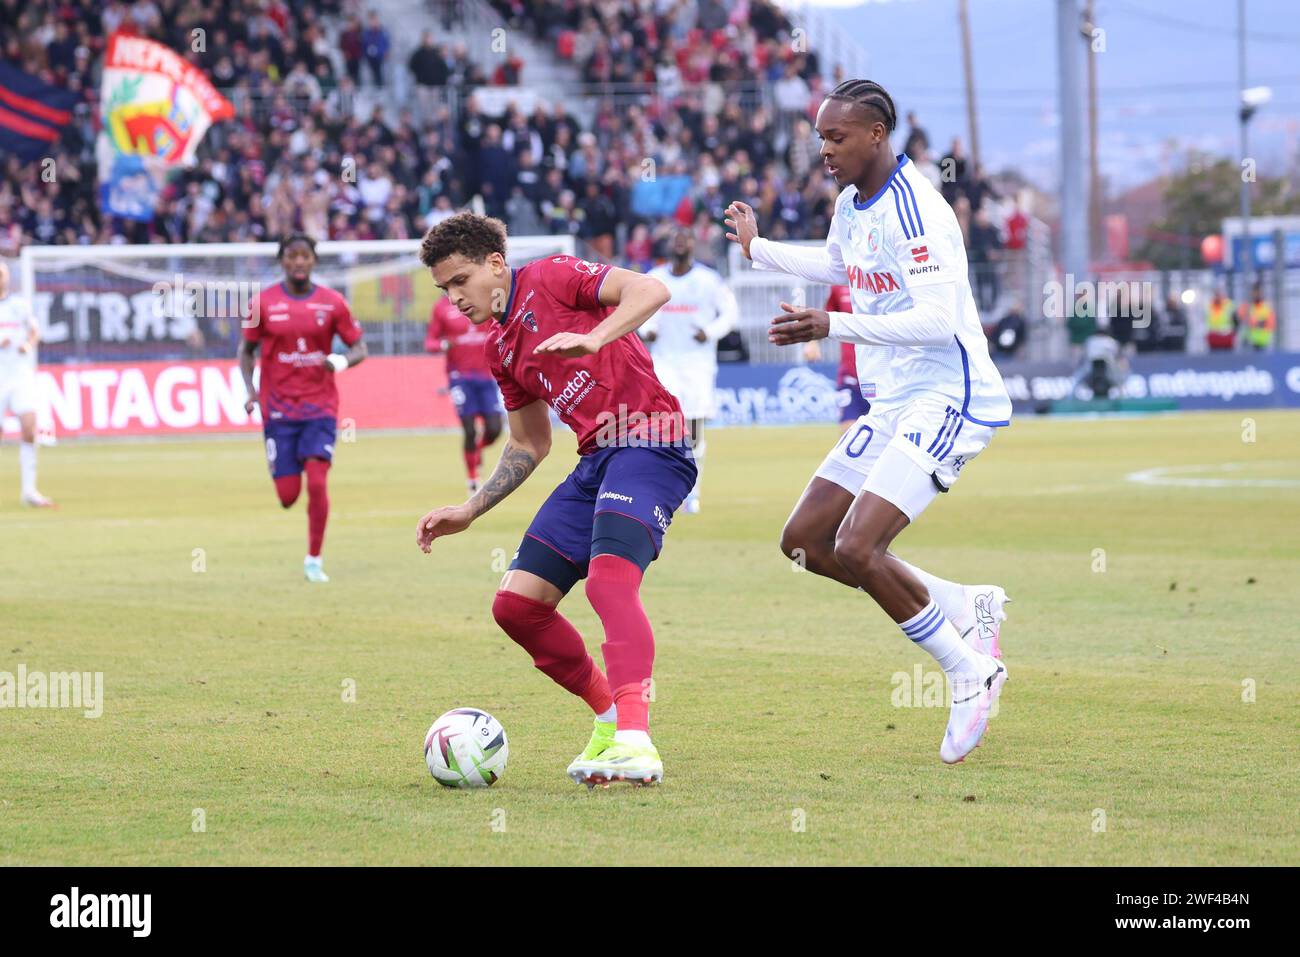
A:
(683, 339)
(936, 397)
(19, 335)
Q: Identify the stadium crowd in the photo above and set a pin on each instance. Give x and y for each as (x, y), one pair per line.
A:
(302, 153)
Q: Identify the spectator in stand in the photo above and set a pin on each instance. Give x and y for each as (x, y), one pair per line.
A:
(375, 45)
(427, 63)
(352, 46)
(917, 142)
(982, 247)
(599, 220)
(954, 173)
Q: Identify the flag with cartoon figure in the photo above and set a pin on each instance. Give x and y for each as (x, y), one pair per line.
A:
(155, 109)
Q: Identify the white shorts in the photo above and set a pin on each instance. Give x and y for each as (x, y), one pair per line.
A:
(907, 456)
(693, 386)
(17, 392)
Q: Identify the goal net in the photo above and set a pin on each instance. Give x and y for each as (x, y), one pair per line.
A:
(157, 304)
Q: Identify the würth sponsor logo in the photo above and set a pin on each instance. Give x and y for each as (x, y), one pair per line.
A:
(632, 428)
(75, 909)
(920, 254)
(83, 690)
(876, 282)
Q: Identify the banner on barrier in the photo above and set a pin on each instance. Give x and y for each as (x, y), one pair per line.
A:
(169, 398)
(784, 395)
(401, 392)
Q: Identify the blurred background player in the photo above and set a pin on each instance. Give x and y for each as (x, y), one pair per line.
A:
(852, 405)
(937, 399)
(293, 324)
(19, 335)
(469, 381)
(684, 335)
(559, 339)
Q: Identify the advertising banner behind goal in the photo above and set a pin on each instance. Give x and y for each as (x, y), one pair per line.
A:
(174, 398)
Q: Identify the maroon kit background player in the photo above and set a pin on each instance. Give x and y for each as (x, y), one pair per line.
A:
(293, 325)
(473, 391)
(559, 340)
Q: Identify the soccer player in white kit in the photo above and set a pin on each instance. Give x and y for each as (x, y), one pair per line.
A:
(19, 334)
(936, 398)
(683, 338)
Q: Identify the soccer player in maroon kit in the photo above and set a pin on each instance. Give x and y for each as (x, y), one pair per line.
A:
(559, 339)
(469, 380)
(293, 324)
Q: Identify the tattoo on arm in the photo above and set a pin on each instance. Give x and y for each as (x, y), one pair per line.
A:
(516, 464)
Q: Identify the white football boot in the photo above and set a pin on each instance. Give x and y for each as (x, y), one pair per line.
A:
(974, 701)
(34, 499)
(313, 570)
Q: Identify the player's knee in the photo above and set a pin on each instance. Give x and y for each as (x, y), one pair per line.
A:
(491, 429)
(864, 560)
(517, 614)
(287, 489)
(793, 544)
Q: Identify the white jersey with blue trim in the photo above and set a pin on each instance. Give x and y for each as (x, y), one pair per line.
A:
(892, 246)
(701, 302)
(16, 323)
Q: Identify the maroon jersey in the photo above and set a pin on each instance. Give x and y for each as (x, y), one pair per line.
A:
(605, 398)
(295, 335)
(841, 301)
(465, 355)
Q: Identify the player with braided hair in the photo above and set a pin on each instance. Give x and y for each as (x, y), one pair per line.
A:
(936, 397)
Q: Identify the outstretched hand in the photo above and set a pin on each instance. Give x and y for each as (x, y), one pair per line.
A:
(798, 325)
(742, 225)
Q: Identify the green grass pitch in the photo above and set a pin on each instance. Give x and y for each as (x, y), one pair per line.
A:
(1151, 715)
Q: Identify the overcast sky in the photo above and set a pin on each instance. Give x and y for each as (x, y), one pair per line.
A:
(1169, 72)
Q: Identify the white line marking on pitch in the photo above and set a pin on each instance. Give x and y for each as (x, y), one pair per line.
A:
(1167, 475)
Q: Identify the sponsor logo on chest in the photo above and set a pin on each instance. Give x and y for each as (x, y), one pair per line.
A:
(875, 282)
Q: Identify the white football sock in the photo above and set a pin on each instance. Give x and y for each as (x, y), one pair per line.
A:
(935, 634)
(27, 463)
(640, 738)
(949, 596)
(609, 714)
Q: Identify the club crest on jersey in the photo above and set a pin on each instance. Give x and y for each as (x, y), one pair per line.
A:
(320, 317)
(529, 320)
(920, 254)
(873, 239)
(582, 265)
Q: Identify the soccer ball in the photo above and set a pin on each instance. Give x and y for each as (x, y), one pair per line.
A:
(466, 748)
